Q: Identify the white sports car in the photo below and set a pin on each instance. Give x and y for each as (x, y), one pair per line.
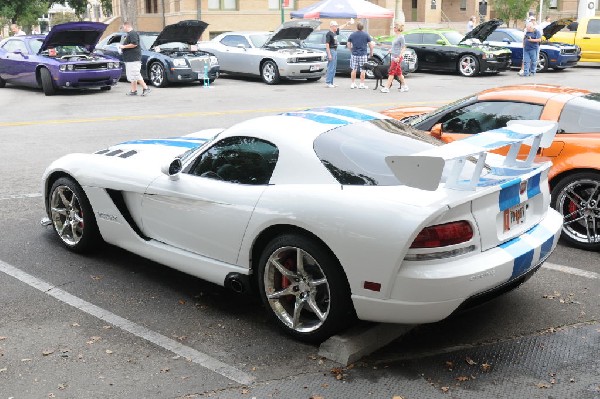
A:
(329, 213)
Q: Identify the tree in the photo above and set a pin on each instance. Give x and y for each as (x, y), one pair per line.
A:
(24, 12)
(512, 10)
(129, 11)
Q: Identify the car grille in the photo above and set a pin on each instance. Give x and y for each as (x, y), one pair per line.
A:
(568, 51)
(410, 57)
(198, 64)
(306, 59)
(90, 66)
(503, 57)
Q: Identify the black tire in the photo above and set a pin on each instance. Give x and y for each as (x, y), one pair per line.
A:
(542, 63)
(331, 297)
(157, 75)
(47, 84)
(468, 65)
(2, 83)
(72, 216)
(269, 72)
(575, 197)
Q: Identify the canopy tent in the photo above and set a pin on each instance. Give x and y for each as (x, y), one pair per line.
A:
(343, 9)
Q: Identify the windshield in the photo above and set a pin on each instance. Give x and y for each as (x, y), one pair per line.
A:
(355, 154)
(287, 43)
(36, 45)
(418, 119)
(519, 35)
(259, 40)
(453, 37)
(147, 40)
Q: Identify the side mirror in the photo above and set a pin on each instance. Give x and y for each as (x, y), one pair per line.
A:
(172, 169)
(241, 46)
(506, 40)
(440, 41)
(436, 131)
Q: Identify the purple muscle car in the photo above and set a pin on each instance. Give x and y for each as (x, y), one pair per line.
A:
(62, 59)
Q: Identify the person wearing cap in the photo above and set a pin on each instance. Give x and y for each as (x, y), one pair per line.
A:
(531, 47)
(331, 44)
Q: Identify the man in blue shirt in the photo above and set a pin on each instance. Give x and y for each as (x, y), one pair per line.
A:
(531, 45)
(361, 45)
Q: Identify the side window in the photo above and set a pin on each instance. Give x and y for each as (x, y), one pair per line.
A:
(234, 40)
(488, 115)
(116, 39)
(243, 160)
(413, 38)
(580, 115)
(12, 46)
(593, 26)
(431, 38)
(498, 37)
(317, 38)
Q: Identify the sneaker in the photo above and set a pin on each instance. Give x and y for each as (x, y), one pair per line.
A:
(353, 86)
(331, 85)
(362, 86)
(403, 88)
(145, 91)
(520, 73)
(385, 90)
(131, 93)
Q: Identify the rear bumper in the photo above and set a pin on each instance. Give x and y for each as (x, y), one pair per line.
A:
(427, 292)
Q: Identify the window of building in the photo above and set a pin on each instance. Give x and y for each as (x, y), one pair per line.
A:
(553, 4)
(463, 5)
(151, 6)
(276, 4)
(223, 5)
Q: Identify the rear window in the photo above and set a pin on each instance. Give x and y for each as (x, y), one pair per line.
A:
(355, 154)
(581, 115)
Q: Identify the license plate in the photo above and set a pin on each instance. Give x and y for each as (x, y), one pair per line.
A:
(514, 216)
(314, 68)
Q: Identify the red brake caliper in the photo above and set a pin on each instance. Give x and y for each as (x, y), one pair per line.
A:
(289, 264)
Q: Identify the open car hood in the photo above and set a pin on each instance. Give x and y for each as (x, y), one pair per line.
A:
(482, 31)
(188, 31)
(556, 26)
(296, 29)
(85, 34)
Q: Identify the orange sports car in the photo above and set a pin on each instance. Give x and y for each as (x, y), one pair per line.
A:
(575, 152)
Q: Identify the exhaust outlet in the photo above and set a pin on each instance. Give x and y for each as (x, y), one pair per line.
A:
(237, 282)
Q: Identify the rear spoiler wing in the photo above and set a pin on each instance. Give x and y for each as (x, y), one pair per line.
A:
(424, 169)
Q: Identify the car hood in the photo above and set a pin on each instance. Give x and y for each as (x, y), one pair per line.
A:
(482, 31)
(188, 31)
(85, 34)
(556, 26)
(297, 29)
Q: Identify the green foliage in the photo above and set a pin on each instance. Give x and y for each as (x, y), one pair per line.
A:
(61, 18)
(79, 6)
(512, 10)
(106, 6)
(23, 12)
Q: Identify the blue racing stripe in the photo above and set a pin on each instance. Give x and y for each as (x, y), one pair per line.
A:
(546, 248)
(348, 113)
(202, 139)
(522, 252)
(165, 142)
(509, 194)
(533, 186)
(328, 120)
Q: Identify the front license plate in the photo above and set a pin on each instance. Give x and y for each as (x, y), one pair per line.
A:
(514, 216)
(314, 68)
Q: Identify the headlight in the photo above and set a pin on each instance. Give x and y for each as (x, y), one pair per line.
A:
(488, 56)
(292, 60)
(70, 67)
(213, 60)
(62, 68)
(179, 62)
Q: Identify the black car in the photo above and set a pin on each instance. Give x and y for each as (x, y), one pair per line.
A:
(448, 50)
(169, 56)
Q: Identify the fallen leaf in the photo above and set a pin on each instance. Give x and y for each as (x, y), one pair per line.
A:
(62, 387)
(108, 351)
(75, 325)
(449, 364)
(552, 381)
(94, 339)
(51, 395)
(316, 397)
(542, 385)
(470, 361)
(486, 367)
(2, 338)
(181, 302)
(2, 370)
(165, 370)
(96, 277)
(25, 360)
(324, 385)
(245, 391)
(107, 327)
(48, 352)
(445, 389)
(462, 378)
(397, 397)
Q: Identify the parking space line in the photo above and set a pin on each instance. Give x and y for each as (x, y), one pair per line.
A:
(169, 344)
(571, 270)
(19, 196)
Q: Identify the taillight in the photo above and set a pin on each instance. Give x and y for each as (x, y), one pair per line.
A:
(442, 235)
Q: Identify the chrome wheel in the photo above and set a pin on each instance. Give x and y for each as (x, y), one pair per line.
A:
(297, 289)
(270, 73)
(157, 75)
(66, 215)
(71, 216)
(577, 198)
(468, 65)
(542, 63)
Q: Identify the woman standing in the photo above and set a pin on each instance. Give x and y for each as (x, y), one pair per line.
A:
(395, 71)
